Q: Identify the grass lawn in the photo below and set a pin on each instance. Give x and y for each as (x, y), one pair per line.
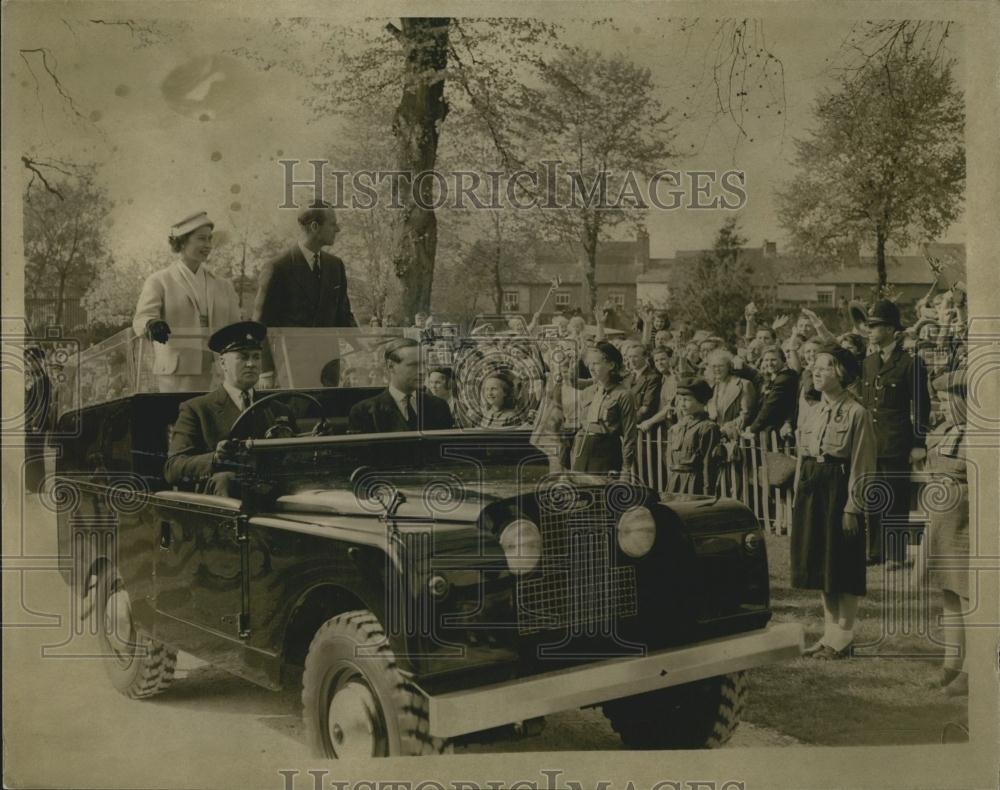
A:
(882, 695)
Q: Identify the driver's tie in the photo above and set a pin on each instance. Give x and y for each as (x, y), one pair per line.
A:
(245, 399)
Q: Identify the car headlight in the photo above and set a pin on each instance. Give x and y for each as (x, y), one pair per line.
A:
(522, 543)
(636, 531)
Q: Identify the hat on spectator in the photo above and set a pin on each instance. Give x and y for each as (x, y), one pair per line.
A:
(847, 360)
(699, 389)
(857, 311)
(189, 224)
(884, 312)
(241, 336)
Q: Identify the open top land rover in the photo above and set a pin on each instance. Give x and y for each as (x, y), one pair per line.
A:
(422, 587)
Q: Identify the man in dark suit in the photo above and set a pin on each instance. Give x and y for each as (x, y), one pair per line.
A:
(306, 286)
(200, 454)
(644, 382)
(402, 406)
(894, 390)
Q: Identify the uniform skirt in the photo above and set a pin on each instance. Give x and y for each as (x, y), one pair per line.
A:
(823, 557)
(948, 539)
(596, 452)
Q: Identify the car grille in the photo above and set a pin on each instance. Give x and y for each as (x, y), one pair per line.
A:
(576, 586)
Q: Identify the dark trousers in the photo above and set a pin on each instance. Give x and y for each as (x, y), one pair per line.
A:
(888, 523)
(224, 484)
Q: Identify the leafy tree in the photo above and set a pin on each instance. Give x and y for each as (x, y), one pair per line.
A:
(885, 164)
(597, 114)
(712, 293)
(65, 244)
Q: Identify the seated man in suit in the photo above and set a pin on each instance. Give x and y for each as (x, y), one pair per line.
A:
(200, 453)
(402, 406)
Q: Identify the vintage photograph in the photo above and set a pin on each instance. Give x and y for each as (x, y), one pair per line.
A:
(571, 395)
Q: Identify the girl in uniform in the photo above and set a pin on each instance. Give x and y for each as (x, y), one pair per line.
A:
(693, 443)
(836, 443)
(605, 441)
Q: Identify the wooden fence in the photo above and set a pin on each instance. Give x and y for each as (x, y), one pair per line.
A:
(743, 475)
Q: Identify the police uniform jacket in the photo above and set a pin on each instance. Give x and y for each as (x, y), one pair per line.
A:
(840, 429)
(889, 391)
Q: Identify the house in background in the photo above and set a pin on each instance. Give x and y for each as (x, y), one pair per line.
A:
(619, 264)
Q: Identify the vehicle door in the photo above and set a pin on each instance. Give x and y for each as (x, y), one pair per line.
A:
(201, 595)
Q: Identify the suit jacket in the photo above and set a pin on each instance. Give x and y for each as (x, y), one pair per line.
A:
(645, 390)
(287, 294)
(732, 403)
(167, 296)
(380, 414)
(778, 402)
(889, 392)
(201, 424)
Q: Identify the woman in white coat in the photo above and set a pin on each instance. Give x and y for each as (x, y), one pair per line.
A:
(187, 300)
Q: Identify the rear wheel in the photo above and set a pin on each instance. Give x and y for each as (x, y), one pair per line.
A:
(356, 703)
(137, 665)
(699, 715)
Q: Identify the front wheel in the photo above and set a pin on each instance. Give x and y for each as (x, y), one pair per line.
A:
(699, 715)
(356, 703)
(137, 665)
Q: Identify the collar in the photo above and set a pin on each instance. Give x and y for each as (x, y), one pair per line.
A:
(833, 404)
(886, 351)
(399, 396)
(188, 274)
(309, 255)
(236, 394)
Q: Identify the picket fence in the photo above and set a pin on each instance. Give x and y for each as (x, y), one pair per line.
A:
(742, 476)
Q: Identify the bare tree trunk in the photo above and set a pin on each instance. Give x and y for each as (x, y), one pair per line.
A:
(417, 127)
(497, 252)
(880, 261)
(590, 265)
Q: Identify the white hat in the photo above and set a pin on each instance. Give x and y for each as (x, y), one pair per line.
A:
(191, 223)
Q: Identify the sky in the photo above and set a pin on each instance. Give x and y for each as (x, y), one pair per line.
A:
(181, 125)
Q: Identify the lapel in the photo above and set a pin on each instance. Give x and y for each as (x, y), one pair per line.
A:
(894, 359)
(303, 274)
(225, 410)
(211, 283)
(727, 394)
(182, 282)
(387, 414)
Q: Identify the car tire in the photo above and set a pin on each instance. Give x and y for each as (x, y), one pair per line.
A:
(137, 665)
(699, 715)
(355, 700)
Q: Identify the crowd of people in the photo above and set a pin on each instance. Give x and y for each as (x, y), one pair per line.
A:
(862, 408)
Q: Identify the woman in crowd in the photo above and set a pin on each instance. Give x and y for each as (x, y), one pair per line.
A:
(606, 439)
(185, 298)
(808, 397)
(733, 398)
(693, 443)
(948, 528)
(497, 398)
(662, 358)
(836, 454)
(780, 394)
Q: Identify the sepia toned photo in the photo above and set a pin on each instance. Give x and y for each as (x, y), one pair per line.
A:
(548, 395)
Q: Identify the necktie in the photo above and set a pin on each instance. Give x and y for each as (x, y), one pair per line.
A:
(822, 433)
(245, 399)
(316, 268)
(411, 415)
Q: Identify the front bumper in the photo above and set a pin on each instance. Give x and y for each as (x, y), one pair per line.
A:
(472, 710)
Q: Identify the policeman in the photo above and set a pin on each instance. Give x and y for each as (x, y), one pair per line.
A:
(894, 391)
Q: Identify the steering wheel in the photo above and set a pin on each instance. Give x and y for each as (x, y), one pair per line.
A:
(281, 429)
